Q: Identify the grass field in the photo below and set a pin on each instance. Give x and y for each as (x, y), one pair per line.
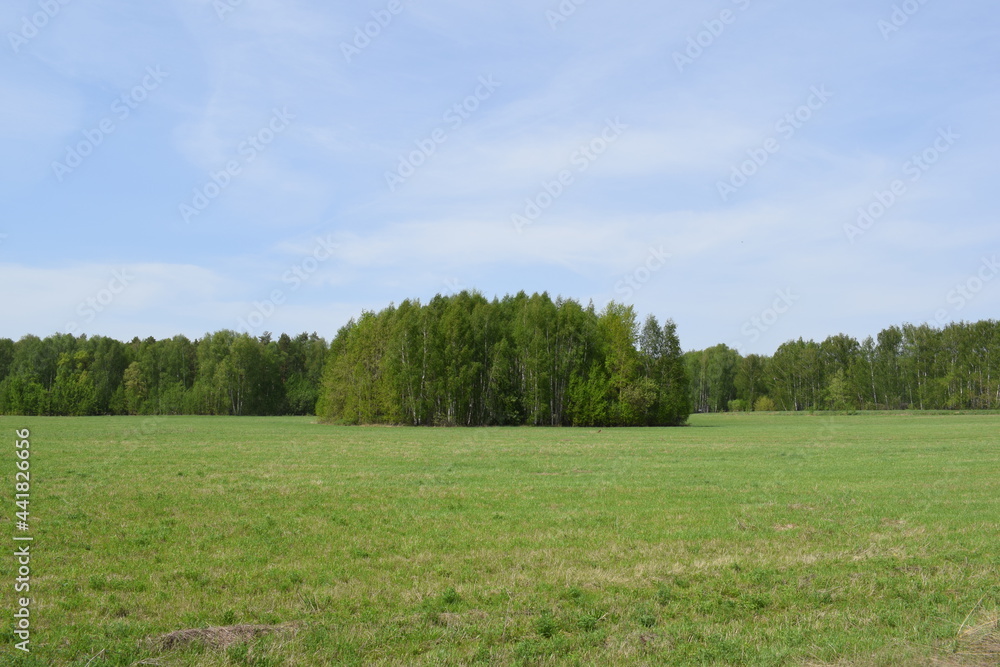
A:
(742, 539)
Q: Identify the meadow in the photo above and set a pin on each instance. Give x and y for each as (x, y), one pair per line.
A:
(745, 539)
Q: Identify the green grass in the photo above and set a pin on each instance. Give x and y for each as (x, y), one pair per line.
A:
(740, 540)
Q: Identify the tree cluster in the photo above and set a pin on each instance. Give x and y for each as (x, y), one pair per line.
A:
(464, 360)
(522, 360)
(224, 373)
(916, 367)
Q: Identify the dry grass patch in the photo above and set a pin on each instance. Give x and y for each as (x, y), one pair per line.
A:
(215, 637)
(979, 644)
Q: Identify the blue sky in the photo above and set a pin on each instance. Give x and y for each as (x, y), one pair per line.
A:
(188, 165)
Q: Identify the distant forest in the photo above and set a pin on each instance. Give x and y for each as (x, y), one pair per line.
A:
(912, 367)
(465, 360)
(224, 373)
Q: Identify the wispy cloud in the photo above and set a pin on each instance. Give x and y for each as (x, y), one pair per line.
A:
(450, 222)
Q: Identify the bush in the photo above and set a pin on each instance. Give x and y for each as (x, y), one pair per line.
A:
(764, 404)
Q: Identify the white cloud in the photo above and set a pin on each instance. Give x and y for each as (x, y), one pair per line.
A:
(452, 219)
(97, 298)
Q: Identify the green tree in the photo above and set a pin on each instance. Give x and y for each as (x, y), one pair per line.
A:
(135, 388)
(666, 372)
(764, 404)
(841, 395)
(713, 374)
(73, 392)
(630, 397)
(751, 379)
(524, 359)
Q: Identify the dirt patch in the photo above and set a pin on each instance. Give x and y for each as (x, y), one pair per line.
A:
(215, 637)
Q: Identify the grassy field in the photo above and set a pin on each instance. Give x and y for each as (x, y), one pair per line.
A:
(740, 540)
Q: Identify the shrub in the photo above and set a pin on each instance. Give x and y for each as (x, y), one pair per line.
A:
(765, 404)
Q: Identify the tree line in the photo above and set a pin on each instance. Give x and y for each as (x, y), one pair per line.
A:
(912, 367)
(464, 360)
(224, 373)
(520, 360)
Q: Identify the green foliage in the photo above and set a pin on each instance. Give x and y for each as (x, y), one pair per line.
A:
(546, 625)
(751, 379)
(588, 622)
(135, 388)
(450, 596)
(222, 373)
(915, 367)
(466, 361)
(713, 377)
(839, 392)
(764, 404)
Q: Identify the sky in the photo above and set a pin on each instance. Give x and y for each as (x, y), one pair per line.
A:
(756, 171)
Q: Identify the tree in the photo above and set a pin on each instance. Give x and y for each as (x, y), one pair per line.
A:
(631, 397)
(713, 373)
(751, 379)
(7, 352)
(888, 373)
(665, 370)
(107, 369)
(463, 360)
(841, 396)
(135, 388)
(73, 392)
(786, 379)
